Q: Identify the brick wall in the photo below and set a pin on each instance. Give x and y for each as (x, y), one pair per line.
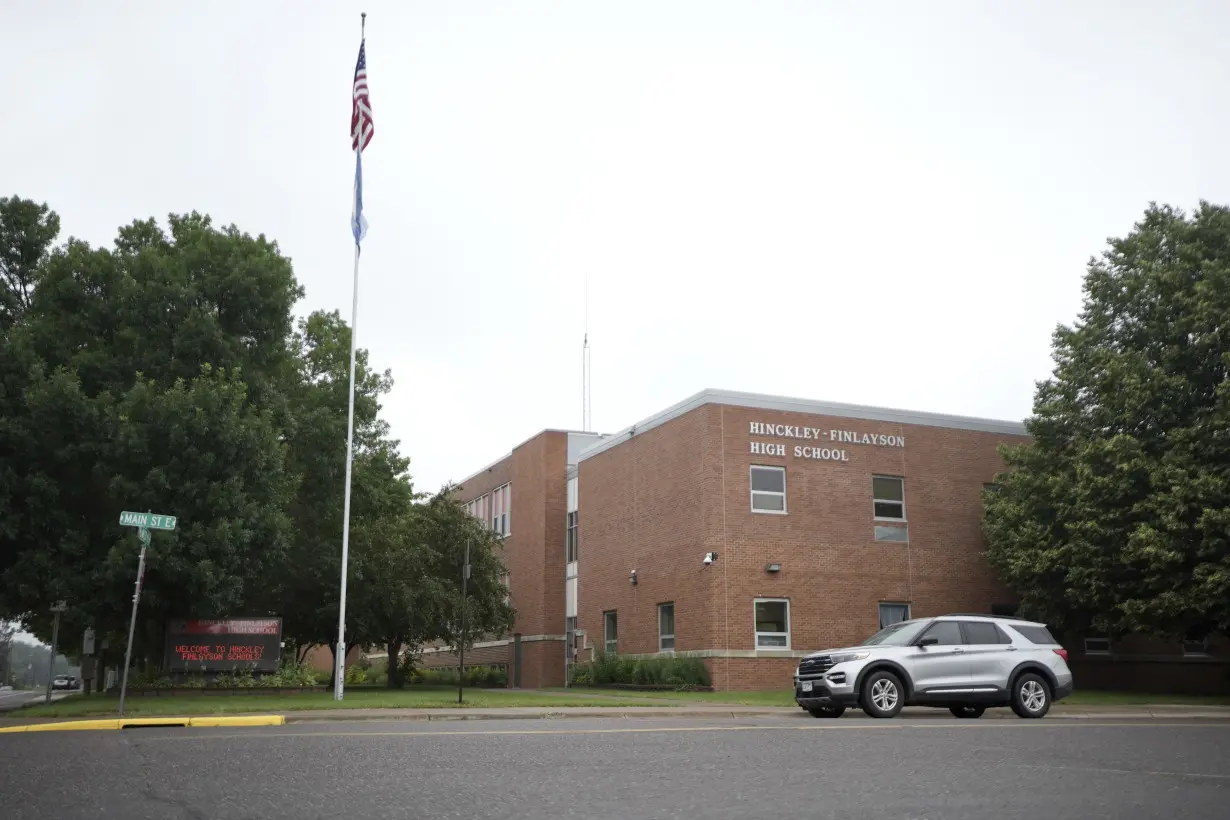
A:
(534, 549)
(662, 499)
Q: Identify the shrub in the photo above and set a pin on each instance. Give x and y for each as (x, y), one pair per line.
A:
(479, 676)
(605, 670)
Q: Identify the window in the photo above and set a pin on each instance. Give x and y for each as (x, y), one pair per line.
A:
(893, 614)
(1097, 646)
(570, 542)
(772, 623)
(1036, 634)
(1196, 649)
(478, 508)
(769, 489)
(570, 624)
(666, 627)
(983, 632)
(501, 500)
(507, 582)
(899, 534)
(888, 498)
(948, 633)
(610, 632)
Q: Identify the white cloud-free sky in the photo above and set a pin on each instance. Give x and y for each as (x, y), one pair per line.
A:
(886, 203)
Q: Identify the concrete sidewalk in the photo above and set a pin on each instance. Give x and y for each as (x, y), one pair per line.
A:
(708, 710)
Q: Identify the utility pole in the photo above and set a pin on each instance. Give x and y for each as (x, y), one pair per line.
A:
(461, 668)
(57, 608)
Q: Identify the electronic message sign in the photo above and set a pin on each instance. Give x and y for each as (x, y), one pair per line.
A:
(224, 645)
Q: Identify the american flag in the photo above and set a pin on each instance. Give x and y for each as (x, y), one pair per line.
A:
(361, 126)
(361, 130)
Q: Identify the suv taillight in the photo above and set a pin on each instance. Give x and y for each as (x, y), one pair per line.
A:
(1063, 653)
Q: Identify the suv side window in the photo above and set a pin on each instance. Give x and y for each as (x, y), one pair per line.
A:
(947, 632)
(983, 632)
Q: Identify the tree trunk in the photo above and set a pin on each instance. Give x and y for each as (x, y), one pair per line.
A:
(394, 662)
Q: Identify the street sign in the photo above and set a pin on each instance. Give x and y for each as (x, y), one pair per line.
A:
(144, 535)
(148, 520)
(59, 606)
(87, 643)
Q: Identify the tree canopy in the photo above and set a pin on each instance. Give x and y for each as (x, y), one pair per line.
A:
(1116, 517)
(168, 373)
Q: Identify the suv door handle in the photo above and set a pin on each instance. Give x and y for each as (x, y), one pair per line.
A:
(958, 649)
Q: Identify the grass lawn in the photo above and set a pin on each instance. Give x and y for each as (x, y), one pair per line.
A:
(411, 698)
(786, 697)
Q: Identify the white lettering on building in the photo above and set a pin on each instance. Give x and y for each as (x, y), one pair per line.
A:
(765, 448)
(821, 453)
(761, 428)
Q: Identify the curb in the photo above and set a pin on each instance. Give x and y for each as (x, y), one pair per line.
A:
(309, 717)
(135, 723)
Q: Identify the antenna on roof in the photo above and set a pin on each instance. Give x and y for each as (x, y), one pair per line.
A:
(586, 402)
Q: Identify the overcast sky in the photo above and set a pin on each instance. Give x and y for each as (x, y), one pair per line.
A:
(886, 203)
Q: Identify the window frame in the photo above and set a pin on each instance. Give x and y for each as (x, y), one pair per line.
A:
(661, 635)
(752, 468)
(1107, 651)
(757, 634)
(1196, 649)
(967, 636)
(934, 624)
(880, 612)
(501, 499)
(571, 544)
(875, 500)
(610, 646)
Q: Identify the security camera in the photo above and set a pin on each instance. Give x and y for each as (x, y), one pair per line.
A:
(710, 557)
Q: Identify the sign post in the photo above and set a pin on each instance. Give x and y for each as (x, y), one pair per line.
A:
(144, 522)
(57, 608)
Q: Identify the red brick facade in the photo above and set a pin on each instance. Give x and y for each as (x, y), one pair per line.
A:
(534, 556)
(657, 501)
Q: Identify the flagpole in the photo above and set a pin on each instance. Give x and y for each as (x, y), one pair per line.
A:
(339, 678)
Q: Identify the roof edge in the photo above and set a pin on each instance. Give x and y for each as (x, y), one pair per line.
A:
(516, 447)
(758, 401)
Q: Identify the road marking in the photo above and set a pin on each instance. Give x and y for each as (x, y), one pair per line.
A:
(680, 729)
(1122, 771)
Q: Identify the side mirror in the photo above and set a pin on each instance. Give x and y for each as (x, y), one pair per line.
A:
(923, 642)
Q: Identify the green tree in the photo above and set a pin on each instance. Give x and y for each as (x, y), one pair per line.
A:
(408, 575)
(317, 454)
(147, 376)
(1116, 517)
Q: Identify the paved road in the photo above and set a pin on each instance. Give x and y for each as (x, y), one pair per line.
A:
(775, 768)
(11, 699)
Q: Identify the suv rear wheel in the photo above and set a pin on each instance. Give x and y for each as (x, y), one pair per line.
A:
(971, 712)
(1031, 696)
(827, 711)
(882, 695)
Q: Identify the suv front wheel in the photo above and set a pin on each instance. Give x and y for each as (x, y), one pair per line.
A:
(882, 695)
(1031, 696)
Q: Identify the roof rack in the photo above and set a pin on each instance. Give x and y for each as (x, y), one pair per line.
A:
(985, 615)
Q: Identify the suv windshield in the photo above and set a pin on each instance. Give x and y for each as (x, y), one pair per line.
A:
(898, 634)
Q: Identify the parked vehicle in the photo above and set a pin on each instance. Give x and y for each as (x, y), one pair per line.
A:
(963, 663)
(63, 682)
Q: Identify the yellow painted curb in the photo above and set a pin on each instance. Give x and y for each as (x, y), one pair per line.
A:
(239, 720)
(128, 723)
(66, 726)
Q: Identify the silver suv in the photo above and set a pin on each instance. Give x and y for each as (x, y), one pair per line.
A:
(964, 663)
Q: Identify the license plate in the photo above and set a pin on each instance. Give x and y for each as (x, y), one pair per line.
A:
(805, 686)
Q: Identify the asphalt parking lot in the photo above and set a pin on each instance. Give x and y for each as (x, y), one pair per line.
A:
(647, 768)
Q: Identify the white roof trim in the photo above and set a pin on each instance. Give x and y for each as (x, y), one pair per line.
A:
(818, 408)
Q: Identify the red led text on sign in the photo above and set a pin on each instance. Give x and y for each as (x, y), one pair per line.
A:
(239, 653)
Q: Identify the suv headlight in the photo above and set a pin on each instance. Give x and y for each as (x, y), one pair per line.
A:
(850, 656)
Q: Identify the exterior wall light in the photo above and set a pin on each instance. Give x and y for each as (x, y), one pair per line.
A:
(632, 578)
(772, 567)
